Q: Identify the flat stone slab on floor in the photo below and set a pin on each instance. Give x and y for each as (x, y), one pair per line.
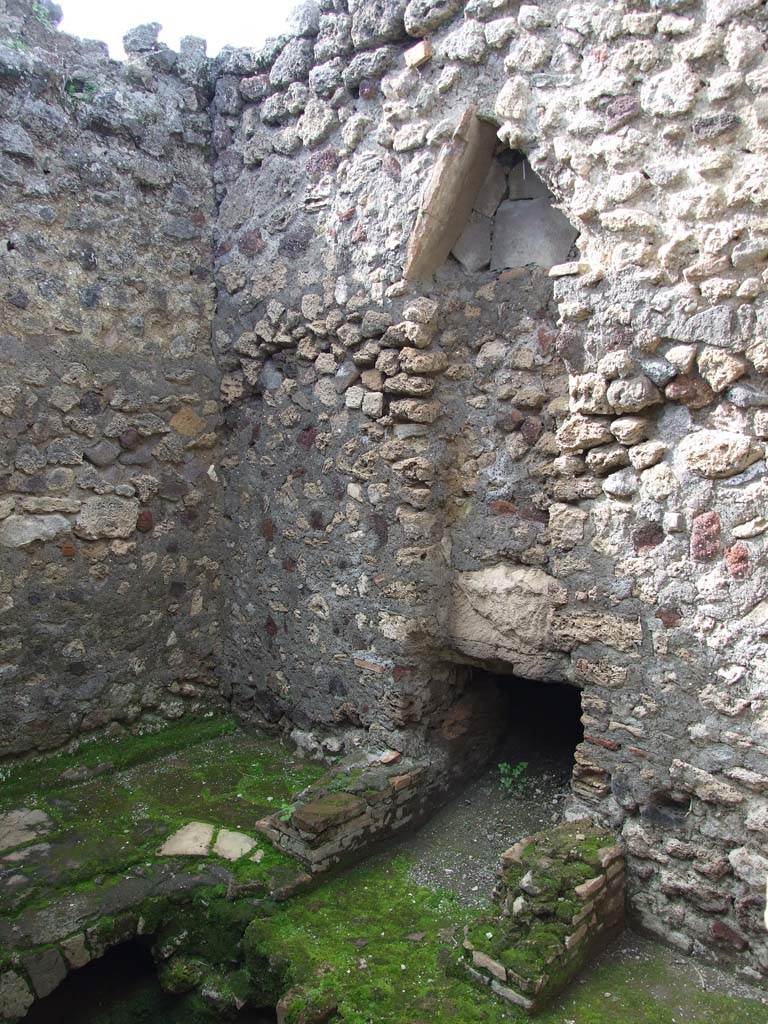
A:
(15, 997)
(192, 840)
(22, 826)
(232, 845)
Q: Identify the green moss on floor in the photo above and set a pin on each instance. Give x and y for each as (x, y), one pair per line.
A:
(26, 778)
(370, 942)
(385, 951)
(204, 771)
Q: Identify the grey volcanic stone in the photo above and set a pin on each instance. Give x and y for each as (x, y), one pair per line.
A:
(14, 140)
(424, 16)
(377, 21)
(530, 231)
(15, 997)
(293, 64)
(46, 971)
(712, 326)
(747, 396)
(334, 38)
(326, 78)
(29, 459)
(142, 39)
(369, 65)
(107, 516)
(18, 531)
(103, 454)
(304, 20)
(658, 369)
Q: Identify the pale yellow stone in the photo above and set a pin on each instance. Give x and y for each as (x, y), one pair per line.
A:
(232, 845)
(192, 840)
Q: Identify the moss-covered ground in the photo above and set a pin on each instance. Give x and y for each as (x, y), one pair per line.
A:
(385, 951)
(146, 788)
(371, 942)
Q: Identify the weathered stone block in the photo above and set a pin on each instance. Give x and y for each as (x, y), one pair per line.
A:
(503, 614)
(107, 516)
(450, 195)
(46, 970)
(719, 453)
(377, 21)
(528, 232)
(333, 809)
(15, 996)
(424, 16)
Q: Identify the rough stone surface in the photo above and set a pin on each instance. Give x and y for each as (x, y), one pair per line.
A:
(192, 840)
(719, 453)
(105, 349)
(377, 21)
(299, 535)
(15, 996)
(22, 826)
(19, 531)
(232, 845)
(107, 517)
(503, 615)
(530, 232)
(46, 970)
(424, 16)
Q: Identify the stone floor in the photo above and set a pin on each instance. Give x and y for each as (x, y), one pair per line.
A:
(96, 831)
(459, 848)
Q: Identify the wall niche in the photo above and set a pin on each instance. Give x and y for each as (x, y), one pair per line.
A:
(514, 222)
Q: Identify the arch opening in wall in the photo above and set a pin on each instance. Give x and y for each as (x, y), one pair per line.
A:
(123, 983)
(486, 208)
(518, 739)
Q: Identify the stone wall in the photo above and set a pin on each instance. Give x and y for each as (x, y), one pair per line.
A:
(560, 898)
(109, 413)
(555, 472)
(421, 462)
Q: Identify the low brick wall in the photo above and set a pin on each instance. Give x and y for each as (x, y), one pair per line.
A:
(335, 824)
(560, 897)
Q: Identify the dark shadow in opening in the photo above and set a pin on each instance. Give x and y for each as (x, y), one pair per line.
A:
(121, 987)
(538, 722)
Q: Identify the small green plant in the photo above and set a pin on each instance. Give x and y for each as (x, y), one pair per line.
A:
(79, 90)
(343, 780)
(16, 44)
(513, 777)
(42, 14)
(286, 812)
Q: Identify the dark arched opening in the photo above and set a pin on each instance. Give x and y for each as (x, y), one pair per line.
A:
(122, 987)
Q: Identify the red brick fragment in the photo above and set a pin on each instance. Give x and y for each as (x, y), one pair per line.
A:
(307, 437)
(600, 741)
(668, 615)
(692, 392)
(727, 936)
(645, 538)
(145, 521)
(501, 507)
(705, 536)
(737, 561)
